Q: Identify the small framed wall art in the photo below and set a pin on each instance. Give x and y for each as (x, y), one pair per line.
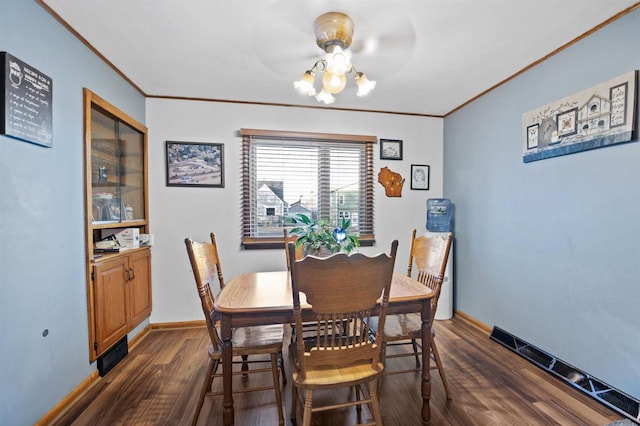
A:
(390, 149)
(196, 164)
(419, 176)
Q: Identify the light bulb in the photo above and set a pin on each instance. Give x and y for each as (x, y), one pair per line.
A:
(364, 84)
(325, 97)
(305, 84)
(338, 61)
(333, 83)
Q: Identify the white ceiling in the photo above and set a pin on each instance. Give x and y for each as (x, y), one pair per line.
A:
(432, 55)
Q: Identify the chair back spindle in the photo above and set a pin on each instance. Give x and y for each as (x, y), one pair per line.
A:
(298, 252)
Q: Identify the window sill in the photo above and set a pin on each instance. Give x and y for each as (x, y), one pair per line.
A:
(278, 242)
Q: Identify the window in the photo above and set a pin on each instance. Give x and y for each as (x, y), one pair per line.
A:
(320, 175)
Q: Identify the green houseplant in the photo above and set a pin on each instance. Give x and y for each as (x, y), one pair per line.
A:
(316, 236)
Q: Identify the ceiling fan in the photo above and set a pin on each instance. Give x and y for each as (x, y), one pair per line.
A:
(334, 34)
(382, 44)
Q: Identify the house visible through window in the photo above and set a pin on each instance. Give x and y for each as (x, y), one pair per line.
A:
(320, 175)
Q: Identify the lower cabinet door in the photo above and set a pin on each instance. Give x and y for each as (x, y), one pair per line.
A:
(111, 310)
(140, 287)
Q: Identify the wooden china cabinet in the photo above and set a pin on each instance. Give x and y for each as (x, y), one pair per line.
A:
(116, 198)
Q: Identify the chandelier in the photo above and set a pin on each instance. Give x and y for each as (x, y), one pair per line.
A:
(334, 33)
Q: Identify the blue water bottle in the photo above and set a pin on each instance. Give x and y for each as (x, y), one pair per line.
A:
(439, 215)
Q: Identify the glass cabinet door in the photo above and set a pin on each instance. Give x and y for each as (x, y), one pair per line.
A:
(117, 170)
(132, 166)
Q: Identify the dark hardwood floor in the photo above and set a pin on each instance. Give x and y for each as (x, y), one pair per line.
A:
(159, 381)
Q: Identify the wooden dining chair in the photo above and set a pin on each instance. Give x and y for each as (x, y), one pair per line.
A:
(340, 289)
(430, 255)
(262, 340)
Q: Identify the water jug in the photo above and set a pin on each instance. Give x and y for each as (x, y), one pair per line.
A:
(439, 215)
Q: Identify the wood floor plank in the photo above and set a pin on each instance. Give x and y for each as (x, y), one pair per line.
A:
(159, 381)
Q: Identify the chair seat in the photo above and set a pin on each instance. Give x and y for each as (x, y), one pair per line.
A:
(328, 376)
(253, 340)
(400, 327)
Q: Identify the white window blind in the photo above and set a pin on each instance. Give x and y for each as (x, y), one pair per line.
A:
(321, 175)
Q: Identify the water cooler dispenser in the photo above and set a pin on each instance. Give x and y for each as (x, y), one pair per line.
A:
(440, 221)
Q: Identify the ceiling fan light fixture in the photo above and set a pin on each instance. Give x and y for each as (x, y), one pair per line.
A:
(334, 34)
(365, 86)
(305, 84)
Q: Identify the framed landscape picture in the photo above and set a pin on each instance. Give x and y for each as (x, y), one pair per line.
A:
(198, 164)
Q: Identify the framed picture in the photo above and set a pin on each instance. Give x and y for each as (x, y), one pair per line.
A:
(197, 164)
(390, 149)
(599, 116)
(532, 136)
(567, 122)
(618, 97)
(419, 176)
(26, 102)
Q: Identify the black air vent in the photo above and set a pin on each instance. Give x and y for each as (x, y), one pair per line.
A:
(595, 388)
(113, 356)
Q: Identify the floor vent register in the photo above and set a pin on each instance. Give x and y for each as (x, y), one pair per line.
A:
(597, 389)
(113, 356)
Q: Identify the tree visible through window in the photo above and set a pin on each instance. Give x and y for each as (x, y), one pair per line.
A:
(320, 175)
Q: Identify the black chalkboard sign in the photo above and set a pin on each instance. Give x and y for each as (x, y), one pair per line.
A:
(25, 102)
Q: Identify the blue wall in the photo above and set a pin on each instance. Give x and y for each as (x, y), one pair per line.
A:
(42, 276)
(550, 250)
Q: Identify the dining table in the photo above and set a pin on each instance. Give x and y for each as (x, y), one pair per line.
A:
(261, 298)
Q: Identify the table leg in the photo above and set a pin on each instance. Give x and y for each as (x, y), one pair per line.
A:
(227, 358)
(426, 358)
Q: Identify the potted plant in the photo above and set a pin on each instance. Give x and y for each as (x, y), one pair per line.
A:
(317, 238)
